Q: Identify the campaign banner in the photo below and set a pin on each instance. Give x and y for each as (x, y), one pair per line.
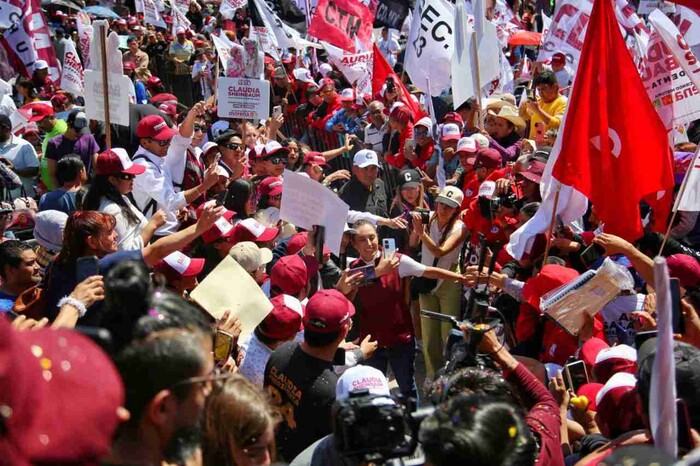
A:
(675, 97)
(243, 98)
(430, 45)
(118, 90)
(223, 49)
(339, 21)
(391, 14)
(179, 19)
(72, 79)
(28, 38)
(647, 6)
(152, 15)
(182, 5)
(688, 22)
(356, 67)
(9, 13)
(228, 7)
(85, 30)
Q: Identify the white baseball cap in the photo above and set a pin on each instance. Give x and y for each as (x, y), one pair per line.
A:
(425, 122)
(250, 256)
(450, 131)
(365, 158)
(487, 189)
(325, 68)
(467, 145)
(481, 140)
(40, 65)
(362, 377)
(450, 196)
(347, 95)
(303, 75)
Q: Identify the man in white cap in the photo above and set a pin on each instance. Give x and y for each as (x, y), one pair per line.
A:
(41, 80)
(365, 191)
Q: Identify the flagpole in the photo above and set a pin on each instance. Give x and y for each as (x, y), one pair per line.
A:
(551, 226)
(105, 85)
(693, 162)
(477, 76)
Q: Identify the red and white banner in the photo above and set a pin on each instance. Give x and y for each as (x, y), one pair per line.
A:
(339, 21)
(85, 30)
(356, 67)
(179, 20)
(28, 38)
(228, 7)
(72, 79)
(152, 15)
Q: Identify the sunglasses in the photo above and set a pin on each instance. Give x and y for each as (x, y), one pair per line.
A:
(162, 143)
(421, 132)
(232, 146)
(277, 160)
(126, 176)
(199, 128)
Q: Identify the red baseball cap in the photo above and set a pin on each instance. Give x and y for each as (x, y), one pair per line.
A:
(59, 394)
(129, 65)
(154, 127)
(316, 158)
(685, 268)
(453, 117)
(252, 230)
(178, 265)
(290, 274)
(297, 242)
(327, 311)
(153, 81)
(488, 158)
(116, 161)
(162, 98)
(611, 361)
(36, 111)
(223, 228)
(270, 186)
(169, 109)
(284, 321)
(590, 350)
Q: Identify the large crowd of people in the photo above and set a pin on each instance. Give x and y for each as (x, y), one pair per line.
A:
(105, 357)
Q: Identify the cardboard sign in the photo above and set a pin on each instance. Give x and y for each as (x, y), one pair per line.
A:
(306, 203)
(118, 97)
(248, 303)
(243, 98)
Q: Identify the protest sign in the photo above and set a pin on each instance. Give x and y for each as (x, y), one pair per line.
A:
(391, 13)
(339, 21)
(356, 67)
(306, 203)
(113, 53)
(72, 76)
(676, 99)
(152, 15)
(430, 45)
(182, 5)
(29, 38)
(243, 98)
(248, 303)
(118, 97)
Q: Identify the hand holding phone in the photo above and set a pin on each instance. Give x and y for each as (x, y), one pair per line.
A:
(223, 346)
(276, 111)
(575, 375)
(389, 248)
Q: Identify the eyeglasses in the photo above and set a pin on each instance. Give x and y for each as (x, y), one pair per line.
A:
(126, 176)
(232, 146)
(161, 143)
(199, 128)
(277, 160)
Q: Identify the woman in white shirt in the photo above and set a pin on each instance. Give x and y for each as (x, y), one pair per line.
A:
(441, 245)
(114, 180)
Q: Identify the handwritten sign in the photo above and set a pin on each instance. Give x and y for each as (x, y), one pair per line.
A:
(243, 98)
(118, 97)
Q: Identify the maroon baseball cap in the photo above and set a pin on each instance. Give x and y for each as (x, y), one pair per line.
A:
(488, 158)
(169, 109)
(534, 171)
(116, 161)
(327, 311)
(270, 186)
(315, 157)
(223, 228)
(290, 274)
(59, 394)
(297, 242)
(284, 321)
(453, 117)
(685, 268)
(252, 230)
(177, 264)
(154, 127)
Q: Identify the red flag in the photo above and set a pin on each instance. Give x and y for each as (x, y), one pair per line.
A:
(614, 147)
(382, 70)
(339, 21)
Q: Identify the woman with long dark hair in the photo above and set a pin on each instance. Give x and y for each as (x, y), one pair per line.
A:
(241, 199)
(108, 193)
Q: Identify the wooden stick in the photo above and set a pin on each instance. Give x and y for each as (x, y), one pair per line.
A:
(477, 76)
(668, 231)
(551, 226)
(105, 85)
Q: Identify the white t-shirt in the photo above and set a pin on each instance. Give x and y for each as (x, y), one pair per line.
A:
(389, 48)
(129, 235)
(22, 155)
(618, 311)
(407, 266)
(448, 260)
(255, 360)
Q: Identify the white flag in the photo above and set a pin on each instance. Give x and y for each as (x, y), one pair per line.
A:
(464, 85)
(430, 46)
(354, 66)
(662, 392)
(72, 79)
(489, 48)
(228, 7)
(223, 50)
(688, 199)
(281, 35)
(152, 14)
(179, 20)
(85, 31)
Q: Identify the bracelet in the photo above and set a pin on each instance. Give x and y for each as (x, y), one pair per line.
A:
(76, 303)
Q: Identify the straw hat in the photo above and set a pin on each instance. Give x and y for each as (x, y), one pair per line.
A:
(510, 113)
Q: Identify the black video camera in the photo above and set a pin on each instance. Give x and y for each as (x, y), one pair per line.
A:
(390, 84)
(424, 215)
(489, 207)
(375, 429)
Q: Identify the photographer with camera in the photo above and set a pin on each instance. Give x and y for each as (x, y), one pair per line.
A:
(441, 235)
(481, 430)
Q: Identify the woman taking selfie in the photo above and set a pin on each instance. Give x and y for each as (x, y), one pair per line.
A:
(113, 182)
(441, 240)
(410, 196)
